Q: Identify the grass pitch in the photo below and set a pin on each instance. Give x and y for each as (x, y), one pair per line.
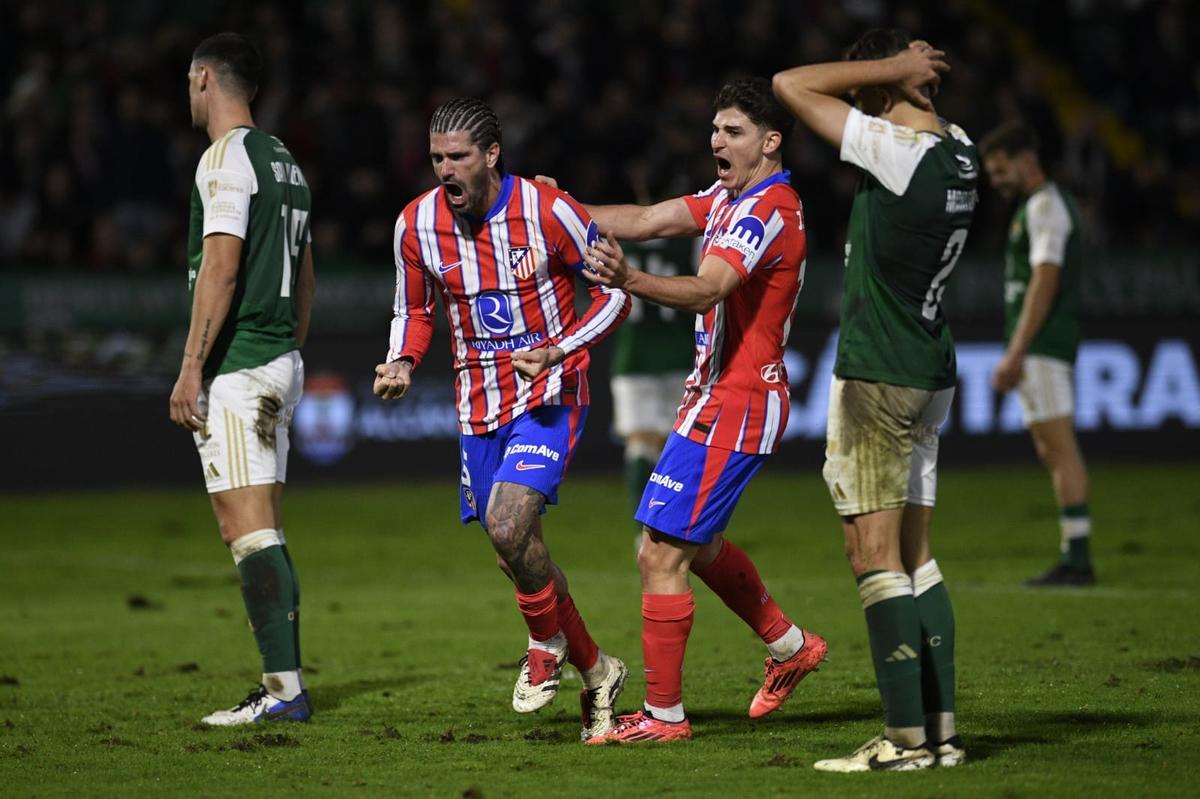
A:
(121, 624)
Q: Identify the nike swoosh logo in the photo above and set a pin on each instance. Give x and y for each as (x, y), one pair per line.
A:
(444, 268)
(654, 503)
(522, 466)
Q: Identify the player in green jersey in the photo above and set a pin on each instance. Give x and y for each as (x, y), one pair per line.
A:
(1042, 270)
(250, 273)
(895, 371)
(654, 351)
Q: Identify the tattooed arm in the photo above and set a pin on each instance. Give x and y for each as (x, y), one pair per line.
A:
(211, 299)
(513, 524)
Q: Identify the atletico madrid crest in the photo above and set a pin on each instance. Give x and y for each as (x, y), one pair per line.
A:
(521, 265)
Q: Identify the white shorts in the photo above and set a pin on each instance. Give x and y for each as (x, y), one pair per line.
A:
(245, 440)
(1047, 389)
(646, 403)
(881, 446)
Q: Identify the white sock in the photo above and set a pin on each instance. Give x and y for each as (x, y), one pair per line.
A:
(787, 645)
(906, 737)
(940, 727)
(556, 646)
(283, 685)
(593, 676)
(674, 713)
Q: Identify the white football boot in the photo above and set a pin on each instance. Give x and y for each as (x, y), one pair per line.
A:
(879, 754)
(261, 706)
(596, 703)
(537, 684)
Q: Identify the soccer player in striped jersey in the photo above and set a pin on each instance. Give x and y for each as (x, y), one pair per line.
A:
(735, 402)
(1042, 272)
(250, 272)
(895, 371)
(505, 254)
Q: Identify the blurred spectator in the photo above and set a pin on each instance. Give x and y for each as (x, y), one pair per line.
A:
(97, 155)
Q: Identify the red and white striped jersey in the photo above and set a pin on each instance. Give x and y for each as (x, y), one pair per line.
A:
(737, 396)
(507, 283)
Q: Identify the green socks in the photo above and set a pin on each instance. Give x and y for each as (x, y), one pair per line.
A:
(295, 593)
(637, 473)
(937, 650)
(269, 591)
(1076, 526)
(894, 629)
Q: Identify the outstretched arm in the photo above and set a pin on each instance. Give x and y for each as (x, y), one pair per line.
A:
(696, 294)
(813, 92)
(667, 219)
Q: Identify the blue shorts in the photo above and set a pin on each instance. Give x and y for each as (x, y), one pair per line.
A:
(532, 450)
(694, 489)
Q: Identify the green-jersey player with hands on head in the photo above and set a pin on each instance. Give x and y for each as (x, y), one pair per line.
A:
(895, 371)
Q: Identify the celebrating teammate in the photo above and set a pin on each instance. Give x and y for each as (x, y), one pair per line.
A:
(505, 252)
(735, 403)
(1042, 271)
(895, 371)
(251, 277)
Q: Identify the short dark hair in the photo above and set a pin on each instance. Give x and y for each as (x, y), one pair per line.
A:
(472, 115)
(235, 59)
(1010, 138)
(754, 98)
(879, 43)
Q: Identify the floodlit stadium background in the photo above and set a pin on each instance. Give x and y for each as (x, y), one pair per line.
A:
(96, 159)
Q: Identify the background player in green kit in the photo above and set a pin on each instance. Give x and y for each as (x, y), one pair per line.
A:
(1042, 269)
(250, 272)
(895, 371)
(653, 355)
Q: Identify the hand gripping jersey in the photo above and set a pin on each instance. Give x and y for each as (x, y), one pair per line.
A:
(248, 185)
(908, 226)
(737, 395)
(507, 283)
(1045, 230)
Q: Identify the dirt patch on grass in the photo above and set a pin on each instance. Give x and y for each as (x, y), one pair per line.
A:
(264, 740)
(538, 734)
(1176, 665)
(782, 761)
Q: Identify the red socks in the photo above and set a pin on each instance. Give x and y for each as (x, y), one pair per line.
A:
(666, 623)
(732, 577)
(540, 610)
(582, 650)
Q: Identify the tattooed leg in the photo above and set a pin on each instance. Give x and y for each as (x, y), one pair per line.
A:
(514, 525)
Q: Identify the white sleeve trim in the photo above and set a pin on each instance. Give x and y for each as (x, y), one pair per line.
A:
(1049, 225)
(891, 153)
(226, 181)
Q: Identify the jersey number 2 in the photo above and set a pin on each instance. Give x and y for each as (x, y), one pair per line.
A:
(291, 245)
(933, 297)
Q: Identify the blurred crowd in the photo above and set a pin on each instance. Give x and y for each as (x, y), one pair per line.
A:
(97, 154)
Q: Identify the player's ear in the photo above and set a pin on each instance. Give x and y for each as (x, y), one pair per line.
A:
(492, 156)
(772, 142)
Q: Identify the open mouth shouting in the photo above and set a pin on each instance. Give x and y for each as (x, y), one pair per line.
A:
(724, 168)
(455, 195)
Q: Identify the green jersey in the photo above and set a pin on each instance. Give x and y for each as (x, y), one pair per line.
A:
(656, 339)
(248, 185)
(1045, 230)
(908, 226)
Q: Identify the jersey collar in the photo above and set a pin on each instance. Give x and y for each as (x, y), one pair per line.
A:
(779, 177)
(506, 185)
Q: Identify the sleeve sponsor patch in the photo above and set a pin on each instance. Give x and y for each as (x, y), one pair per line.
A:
(746, 236)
